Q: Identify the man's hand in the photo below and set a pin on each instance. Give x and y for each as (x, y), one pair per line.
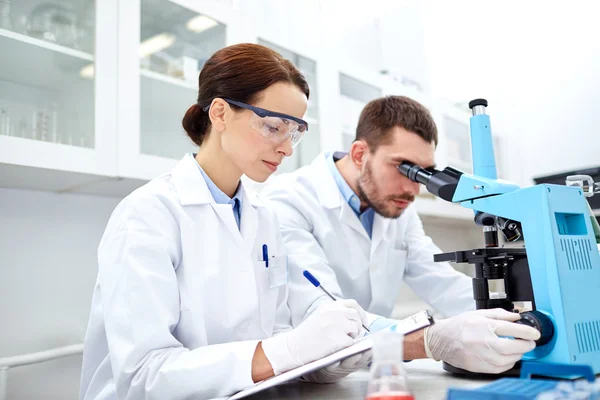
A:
(471, 340)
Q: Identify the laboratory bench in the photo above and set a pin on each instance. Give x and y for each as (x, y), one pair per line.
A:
(426, 379)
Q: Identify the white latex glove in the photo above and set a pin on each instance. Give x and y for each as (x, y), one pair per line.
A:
(470, 341)
(338, 370)
(331, 327)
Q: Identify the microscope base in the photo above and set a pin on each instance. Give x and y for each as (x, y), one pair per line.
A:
(463, 373)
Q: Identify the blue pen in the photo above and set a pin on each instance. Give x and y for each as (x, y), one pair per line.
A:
(311, 278)
(266, 255)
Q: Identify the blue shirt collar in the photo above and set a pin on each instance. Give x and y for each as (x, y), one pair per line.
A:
(219, 196)
(368, 215)
(345, 189)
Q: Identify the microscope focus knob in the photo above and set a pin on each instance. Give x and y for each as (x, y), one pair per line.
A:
(541, 322)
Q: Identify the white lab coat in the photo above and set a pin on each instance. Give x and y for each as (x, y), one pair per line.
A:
(181, 299)
(323, 235)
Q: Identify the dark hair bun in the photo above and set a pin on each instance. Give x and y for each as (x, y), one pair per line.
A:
(195, 122)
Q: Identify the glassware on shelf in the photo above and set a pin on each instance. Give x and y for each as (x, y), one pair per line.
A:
(185, 68)
(66, 138)
(67, 129)
(86, 28)
(54, 23)
(86, 139)
(5, 124)
(30, 120)
(23, 129)
(388, 377)
(171, 53)
(20, 23)
(40, 124)
(5, 14)
(54, 122)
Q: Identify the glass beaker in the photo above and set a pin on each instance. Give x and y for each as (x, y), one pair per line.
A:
(5, 15)
(388, 378)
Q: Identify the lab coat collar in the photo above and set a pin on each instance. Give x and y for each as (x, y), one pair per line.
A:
(193, 190)
(330, 197)
(245, 235)
(248, 223)
(189, 183)
(379, 232)
(327, 190)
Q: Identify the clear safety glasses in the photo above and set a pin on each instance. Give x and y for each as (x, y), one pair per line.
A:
(274, 126)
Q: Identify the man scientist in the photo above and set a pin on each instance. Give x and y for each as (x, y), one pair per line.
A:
(348, 218)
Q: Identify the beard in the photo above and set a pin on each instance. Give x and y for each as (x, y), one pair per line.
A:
(369, 193)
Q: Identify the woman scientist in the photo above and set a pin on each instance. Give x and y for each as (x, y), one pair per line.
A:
(191, 295)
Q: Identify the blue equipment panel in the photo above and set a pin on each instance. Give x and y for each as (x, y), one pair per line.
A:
(525, 388)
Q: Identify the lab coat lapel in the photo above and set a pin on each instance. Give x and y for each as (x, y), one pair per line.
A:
(249, 220)
(330, 197)
(193, 191)
(349, 217)
(327, 191)
(378, 234)
(225, 213)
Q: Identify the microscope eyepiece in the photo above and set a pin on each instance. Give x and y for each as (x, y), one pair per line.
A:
(478, 102)
(439, 183)
(415, 173)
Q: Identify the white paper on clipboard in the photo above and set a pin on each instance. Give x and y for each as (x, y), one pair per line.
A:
(359, 346)
(408, 325)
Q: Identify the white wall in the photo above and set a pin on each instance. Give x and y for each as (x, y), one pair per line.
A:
(537, 63)
(403, 51)
(377, 35)
(48, 268)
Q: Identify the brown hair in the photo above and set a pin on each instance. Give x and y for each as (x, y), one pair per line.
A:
(238, 72)
(381, 115)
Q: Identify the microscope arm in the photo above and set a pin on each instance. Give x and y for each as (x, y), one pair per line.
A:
(453, 185)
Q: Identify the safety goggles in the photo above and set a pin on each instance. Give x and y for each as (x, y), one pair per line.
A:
(274, 126)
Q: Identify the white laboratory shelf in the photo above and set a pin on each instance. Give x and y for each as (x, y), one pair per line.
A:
(52, 180)
(188, 85)
(47, 166)
(38, 63)
(41, 179)
(24, 39)
(40, 154)
(37, 165)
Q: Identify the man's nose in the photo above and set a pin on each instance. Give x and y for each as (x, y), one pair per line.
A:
(410, 187)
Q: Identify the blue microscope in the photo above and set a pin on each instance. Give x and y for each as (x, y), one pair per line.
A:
(556, 275)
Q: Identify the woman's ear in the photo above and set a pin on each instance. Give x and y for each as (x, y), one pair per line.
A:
(218, 109)
(358, 153)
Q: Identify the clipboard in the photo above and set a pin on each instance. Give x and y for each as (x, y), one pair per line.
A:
(413, 323)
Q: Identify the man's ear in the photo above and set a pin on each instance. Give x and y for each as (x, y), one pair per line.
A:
(358, 153)
(217, 112)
